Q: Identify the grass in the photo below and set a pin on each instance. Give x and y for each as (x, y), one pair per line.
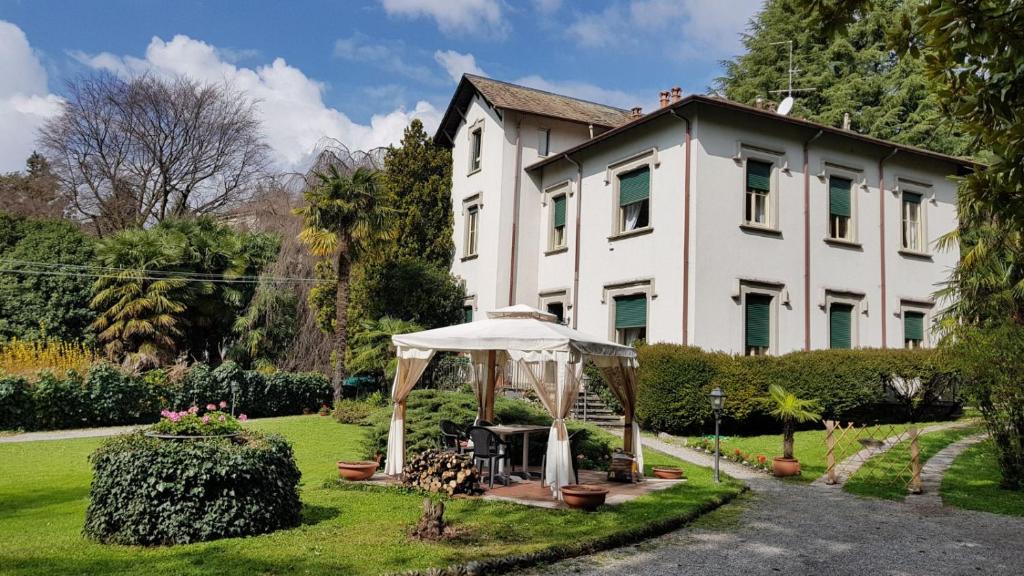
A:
(808, 447)
(346, 530)
(972, 482)
(874, 477)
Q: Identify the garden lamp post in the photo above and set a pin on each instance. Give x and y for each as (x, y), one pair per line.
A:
(234, 397)
(717, 399)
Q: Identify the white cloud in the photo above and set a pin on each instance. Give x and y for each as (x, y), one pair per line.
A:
(25, 100)
(480, 17)
(456, 64)
(291, 104)
(389, 56)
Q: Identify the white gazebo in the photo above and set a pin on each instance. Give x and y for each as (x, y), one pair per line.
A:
(550, 354)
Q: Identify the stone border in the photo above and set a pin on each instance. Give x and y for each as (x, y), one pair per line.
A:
(935, 469)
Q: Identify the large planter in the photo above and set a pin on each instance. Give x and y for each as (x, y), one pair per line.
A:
(183, 437)
(584, 496)
(783, 467)
(356, 470)
(667, 472)
(152, 491)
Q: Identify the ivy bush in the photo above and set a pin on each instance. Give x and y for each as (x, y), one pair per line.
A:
(857, 385)
(149, 491)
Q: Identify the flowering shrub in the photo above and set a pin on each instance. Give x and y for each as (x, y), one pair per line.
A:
(215, 422)
(151, 491)
(21, 358)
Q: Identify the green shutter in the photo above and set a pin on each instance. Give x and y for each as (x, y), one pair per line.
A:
(840, 317)
(759, 175)
(913, 326)
(559, 211)
(758, 320)
(468, 311)
(911, 198)
(631, 311)
(839, 196)
(634, 186)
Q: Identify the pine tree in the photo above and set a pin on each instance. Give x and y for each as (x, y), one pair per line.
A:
(886, 94)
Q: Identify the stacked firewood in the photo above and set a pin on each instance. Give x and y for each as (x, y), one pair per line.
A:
(441, 472)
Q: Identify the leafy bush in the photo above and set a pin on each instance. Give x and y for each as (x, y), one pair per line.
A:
(149, 491)
(16, 404)
(114, 397)
(859, 385)
(258, 394)
(426, 409)
(359, 412)
(60, 402)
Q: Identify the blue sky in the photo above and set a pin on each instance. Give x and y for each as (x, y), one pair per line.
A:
(359, 70)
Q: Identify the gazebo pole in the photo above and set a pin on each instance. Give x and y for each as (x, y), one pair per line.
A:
(492, 376)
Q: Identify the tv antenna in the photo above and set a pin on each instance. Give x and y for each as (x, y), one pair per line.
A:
(787, 103)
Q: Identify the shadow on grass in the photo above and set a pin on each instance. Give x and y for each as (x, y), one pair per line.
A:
(30, 500)
(313, 514)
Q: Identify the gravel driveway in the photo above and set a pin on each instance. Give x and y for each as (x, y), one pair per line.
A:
(798, 529)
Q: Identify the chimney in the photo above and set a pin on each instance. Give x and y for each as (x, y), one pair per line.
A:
(846, 120)
(663, 98)
(677, 94)
(636, 112)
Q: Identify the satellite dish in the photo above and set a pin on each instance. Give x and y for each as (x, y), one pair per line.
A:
(785, 106)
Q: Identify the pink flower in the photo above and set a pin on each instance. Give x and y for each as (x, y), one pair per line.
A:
(243, 417)
(165, 413)
(206, 419)
(173, 417)
(182, 414)
(211, 406)
(223, 404)
(193, 410)
(221, 418)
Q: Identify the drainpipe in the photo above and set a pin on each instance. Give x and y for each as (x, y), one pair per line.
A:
(576, 249)
(686, 227)
(515, 216)
(807, 239)
(881, 240)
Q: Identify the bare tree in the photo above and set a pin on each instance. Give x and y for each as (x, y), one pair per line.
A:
(130, 152)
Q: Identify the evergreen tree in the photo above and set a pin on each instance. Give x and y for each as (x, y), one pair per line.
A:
(887, 94)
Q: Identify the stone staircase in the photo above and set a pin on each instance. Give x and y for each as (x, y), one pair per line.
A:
(590, 408)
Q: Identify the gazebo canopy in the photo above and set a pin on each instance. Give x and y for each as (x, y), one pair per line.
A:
(550, 354)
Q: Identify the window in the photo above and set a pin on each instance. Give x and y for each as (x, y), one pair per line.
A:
(840, 209)
(840, 326)
(467, 312)
(630, 318)
(757, 209)
(634, 199)
(913, 329)
(913, 225)
(475, 144)
(757, 333)
(557, 238)
(543, 142)
(472, 229)
(558, 309)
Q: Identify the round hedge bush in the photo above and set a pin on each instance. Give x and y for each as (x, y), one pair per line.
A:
(150, 491)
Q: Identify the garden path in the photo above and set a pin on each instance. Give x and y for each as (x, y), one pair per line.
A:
(67, 434)
(814, 529)
(935, 468)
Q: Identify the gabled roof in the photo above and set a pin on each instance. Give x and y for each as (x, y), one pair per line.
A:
(699, 100)
(505, 96)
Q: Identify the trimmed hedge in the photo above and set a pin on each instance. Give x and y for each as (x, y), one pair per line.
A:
(108, 397)
(857, 385)
(149, 491)
(426, 409)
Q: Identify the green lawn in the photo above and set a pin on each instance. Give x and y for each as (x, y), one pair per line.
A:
(346, 530)
(869, 480)
(972, 482)
(809, 448)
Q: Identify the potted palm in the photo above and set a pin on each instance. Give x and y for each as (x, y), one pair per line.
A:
(789, 410)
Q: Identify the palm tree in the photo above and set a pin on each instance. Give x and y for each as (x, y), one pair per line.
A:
(790, 410)
(140, 311)
(345, 217)
(371, 347)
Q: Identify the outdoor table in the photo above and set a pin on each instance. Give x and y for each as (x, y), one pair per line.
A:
(506, 430)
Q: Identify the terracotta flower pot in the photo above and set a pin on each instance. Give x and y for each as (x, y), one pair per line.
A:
(356, 470)
(785, 466)
(667, 472)
(584, 496)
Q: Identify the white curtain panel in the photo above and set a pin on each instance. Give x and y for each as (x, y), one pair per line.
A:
(411, 364)
(557, 390)
(478, 364)
(620, 373)
(632, 215)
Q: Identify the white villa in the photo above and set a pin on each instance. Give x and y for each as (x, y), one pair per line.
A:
(704, 222)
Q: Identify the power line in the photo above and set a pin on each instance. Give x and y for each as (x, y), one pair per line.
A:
(221, 280)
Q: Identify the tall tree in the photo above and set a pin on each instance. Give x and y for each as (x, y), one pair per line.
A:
(888, 94)
(34, 193)
(418, 177)
(128, 153)
(345, 220)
